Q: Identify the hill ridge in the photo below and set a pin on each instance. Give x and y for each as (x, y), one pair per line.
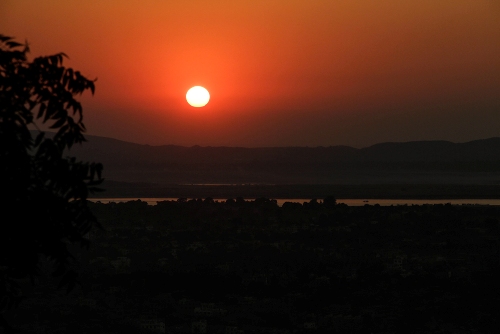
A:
(416, 162)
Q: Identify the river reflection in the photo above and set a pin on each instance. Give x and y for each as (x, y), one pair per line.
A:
(349, 202)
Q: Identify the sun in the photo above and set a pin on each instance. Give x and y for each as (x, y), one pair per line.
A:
(197, 96)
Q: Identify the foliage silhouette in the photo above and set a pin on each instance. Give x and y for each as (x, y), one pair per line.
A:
(43, 193)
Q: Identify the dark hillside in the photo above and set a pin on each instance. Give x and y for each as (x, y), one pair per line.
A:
(419, 162)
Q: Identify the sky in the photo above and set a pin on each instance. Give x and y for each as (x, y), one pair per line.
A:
(279, 72)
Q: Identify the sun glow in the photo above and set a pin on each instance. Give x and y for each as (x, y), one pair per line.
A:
(197, 96)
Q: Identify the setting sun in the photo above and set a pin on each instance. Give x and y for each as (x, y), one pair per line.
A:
(197, 96)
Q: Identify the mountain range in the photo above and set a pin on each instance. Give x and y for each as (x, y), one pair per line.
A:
(416, 162)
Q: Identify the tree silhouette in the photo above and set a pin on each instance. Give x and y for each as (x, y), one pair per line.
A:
(43, 199)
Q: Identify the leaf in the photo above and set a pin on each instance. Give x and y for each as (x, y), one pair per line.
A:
(41, 110)
(48, 112)
(64, 128)
(58, 123)
(13, 44)
(77, 108)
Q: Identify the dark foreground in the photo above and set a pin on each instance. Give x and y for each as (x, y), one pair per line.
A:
(200, 266)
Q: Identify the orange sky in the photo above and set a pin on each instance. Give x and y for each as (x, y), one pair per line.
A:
(280, 73)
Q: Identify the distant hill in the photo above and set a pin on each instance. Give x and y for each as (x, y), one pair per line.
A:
(417, 162)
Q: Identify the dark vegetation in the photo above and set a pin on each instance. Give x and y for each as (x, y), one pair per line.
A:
(250, 266)
(43, 198)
